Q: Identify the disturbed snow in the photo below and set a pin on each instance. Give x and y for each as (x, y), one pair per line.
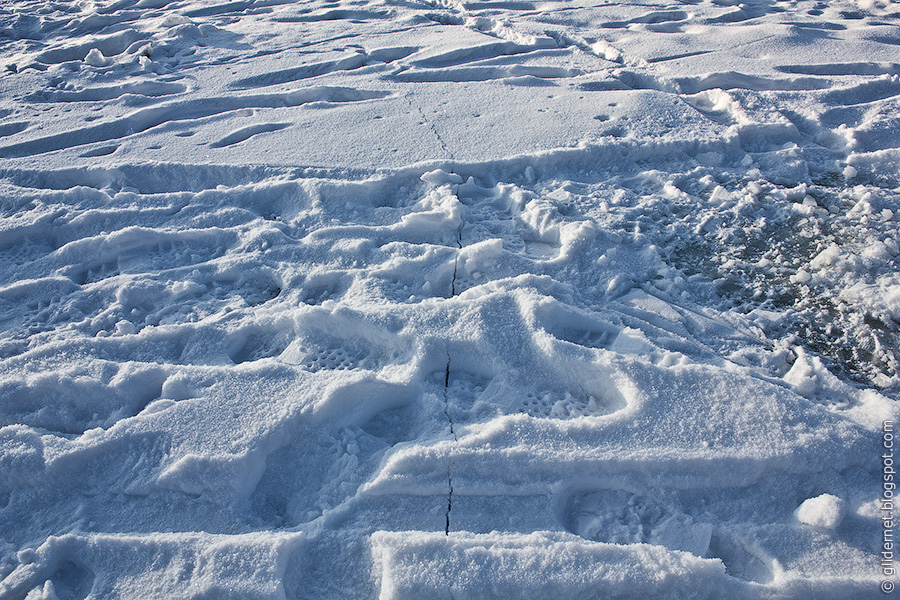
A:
(408, 299)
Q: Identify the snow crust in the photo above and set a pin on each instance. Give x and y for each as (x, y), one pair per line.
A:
(491, 299)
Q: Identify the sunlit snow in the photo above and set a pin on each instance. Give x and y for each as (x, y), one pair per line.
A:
(419, 299)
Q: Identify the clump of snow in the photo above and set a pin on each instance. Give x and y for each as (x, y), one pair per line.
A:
(825, 511)
(95, 58)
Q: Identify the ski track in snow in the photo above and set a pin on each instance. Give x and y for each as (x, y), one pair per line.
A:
(409, 299)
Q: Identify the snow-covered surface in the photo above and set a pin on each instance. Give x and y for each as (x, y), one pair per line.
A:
(410, 299)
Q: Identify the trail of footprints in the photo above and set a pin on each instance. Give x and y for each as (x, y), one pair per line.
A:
(118, 292)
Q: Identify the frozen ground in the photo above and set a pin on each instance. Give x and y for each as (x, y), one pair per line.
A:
(408, 299)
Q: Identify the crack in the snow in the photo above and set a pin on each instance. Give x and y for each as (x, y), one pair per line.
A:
(447, 400)
(447, 394)
(455, 439)
(455, 267)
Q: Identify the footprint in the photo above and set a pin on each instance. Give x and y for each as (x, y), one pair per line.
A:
(258, 290)
(74, 402)
(840, 69)
(321, 467)
(152, 251)
(603, 86)
(343, 342)
(328, 352)
(668, 57)
(463, 389)
(101, 151)
(72, 581)
(560, 405)
(349, 63)
(257, 342)
(738, 15)
(394, 425)
(665, 27)
(527, 81)
(573, 326)
(716, 105)
(325, 286)
(740, 561)
(16, 248)
(245, 133)
(484, 73)
(294, 486)
(865, 93)
(111, 45)
(620, 517)
(461, 56)
(8, 129)
(302, 72)
(650, 18)
(339, 14)
(150, 89)
(498, 5)
(95, 272)
(730, 80)
(660, 16)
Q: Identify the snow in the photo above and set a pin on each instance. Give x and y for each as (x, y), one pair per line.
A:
(420, 565)
(435, 299)
(824, 511)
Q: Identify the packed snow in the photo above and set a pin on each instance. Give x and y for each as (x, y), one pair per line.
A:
(435, 299)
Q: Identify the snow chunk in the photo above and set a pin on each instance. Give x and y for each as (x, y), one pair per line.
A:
(804, 375)
(824, 511)
(439, 211)
(826, 257)
(175, 19)
(95, 58)
(802, 276)
(604, 50)
(440, 177)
